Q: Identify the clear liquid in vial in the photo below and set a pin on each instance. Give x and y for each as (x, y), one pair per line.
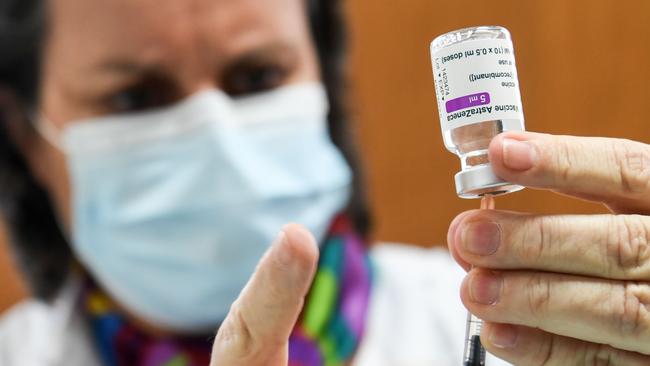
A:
(471, 142)
(476, 77)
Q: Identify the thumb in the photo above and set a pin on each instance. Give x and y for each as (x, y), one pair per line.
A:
(257, 329)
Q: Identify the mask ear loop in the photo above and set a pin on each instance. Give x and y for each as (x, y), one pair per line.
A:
(47, 130)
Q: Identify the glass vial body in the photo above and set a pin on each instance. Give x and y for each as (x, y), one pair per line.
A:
(478, 95)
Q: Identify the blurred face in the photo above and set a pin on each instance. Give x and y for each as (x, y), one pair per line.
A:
(121, 56)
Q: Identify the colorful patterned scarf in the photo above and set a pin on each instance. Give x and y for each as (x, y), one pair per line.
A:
(328, 332)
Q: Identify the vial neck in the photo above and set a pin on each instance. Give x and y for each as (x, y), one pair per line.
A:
(474, 158)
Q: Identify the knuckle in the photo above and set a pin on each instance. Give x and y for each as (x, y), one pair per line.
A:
(600, 355)
(628, 248)
(563, 156)
(558, 350)
(539, 294)
(547, 351)
(539, 235)
(632, 160)
(630, 312)
(235, 335)
(554, 351)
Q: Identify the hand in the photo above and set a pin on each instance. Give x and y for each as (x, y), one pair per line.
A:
(563, 289)
(257, 329)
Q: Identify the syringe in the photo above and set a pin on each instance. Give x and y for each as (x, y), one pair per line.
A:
(455, 58)
(474, 354)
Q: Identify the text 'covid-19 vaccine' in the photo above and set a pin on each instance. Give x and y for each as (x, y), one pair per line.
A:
(478, 98)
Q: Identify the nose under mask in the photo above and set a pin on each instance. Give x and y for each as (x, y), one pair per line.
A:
(172, 209)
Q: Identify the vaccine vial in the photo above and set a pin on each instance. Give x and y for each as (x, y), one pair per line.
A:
(478, 98)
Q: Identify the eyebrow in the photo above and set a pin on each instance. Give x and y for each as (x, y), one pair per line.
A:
(266, 51)
(132, 68)
(129, 67)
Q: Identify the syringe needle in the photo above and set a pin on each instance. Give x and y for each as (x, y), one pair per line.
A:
(474, 351)
(487, 202)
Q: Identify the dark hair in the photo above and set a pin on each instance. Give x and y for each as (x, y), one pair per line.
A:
(40, 248)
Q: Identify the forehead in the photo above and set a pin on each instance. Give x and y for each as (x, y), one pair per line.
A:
(150, 28)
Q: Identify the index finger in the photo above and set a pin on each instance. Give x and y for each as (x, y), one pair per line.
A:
(257, 329)
(613, 171)
(606, 246)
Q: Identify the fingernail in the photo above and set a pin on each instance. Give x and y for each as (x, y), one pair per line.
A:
(503, 335)
(519, 155)
(481, 238)
(485, 288)
(283, 255)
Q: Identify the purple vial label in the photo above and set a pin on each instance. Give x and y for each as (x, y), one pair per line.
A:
(467, 101)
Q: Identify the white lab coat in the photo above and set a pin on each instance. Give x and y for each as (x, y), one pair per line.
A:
(416, 318)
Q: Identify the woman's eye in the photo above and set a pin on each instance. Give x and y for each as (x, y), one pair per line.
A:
(254, 79)
(143, 96)
(133, 100)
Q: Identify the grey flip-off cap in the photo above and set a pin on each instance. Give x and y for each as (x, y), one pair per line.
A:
(480, 180)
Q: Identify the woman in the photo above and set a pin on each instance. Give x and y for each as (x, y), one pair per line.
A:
(152, 151)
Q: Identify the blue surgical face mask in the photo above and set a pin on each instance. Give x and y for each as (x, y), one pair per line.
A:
(172, 209)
